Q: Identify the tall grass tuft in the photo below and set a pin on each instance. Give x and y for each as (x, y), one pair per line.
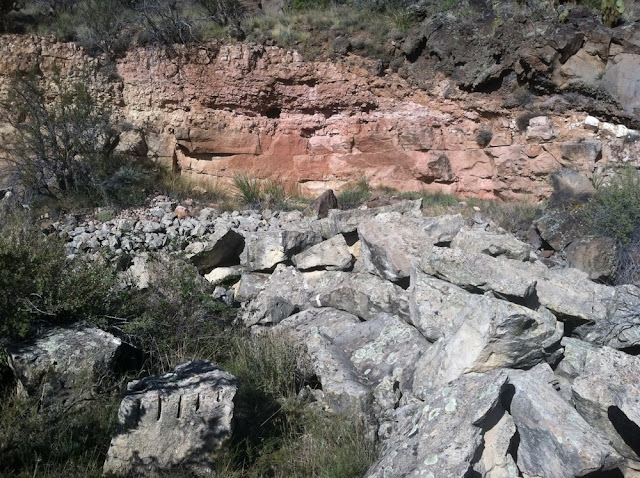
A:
(355, 194)
(249, 190)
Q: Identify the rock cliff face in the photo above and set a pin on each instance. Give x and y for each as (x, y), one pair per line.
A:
(213, 110)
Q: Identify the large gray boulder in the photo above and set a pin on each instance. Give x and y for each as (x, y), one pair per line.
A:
(391, 241)
(597, 256)
(575, 354)
(284, 293)
(606, 393)
(568, 293)
(436, 307)
(477, 240)
(332, 254)
(264, 250)
(361, 294)
(342, 388)
(492, 334)
(288, 291)
(555, 440)
(176, 419)
(478, 271)
(61, 363)
(620, 328)
(353, 359)
(220, 248)
(249, 286)
(345, 222)
(443, 435)
(570, 187)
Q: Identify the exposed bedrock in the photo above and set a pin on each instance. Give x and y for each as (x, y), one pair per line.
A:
(213, 109)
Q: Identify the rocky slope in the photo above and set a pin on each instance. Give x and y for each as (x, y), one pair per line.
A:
(212, 110)
(468, 355)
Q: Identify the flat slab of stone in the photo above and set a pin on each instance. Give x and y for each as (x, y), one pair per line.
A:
(332, 254)
(491, 243)
(175, 419)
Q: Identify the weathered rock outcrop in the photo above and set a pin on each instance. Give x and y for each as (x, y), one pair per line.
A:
(214, 109)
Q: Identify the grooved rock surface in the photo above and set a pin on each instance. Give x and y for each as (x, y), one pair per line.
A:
(175, 419)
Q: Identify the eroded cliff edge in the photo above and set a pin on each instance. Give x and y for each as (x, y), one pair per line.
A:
(216, 109)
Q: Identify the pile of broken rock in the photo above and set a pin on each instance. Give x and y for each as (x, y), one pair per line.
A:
(468, 355)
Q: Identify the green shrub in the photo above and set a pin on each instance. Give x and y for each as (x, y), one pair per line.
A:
(611, 11)
(615, 210)
(57, 147)
(39, 284)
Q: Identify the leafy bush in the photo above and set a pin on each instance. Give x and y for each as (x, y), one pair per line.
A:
(39, 284)
(63, 146)
(615, 210)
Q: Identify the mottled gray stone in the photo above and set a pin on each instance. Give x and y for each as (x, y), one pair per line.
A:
(264, 250)
(480, 241)
(442, 435)
(492, 334)
(361, 294)
(283, 294)
(344, 222)
(176, 419)
(620, 328)
(597, 256)
(575, 353)
(353, 358)
(249, 286)
(478, 271)
(57, 363)
(607, 394)
(332, 254)
(391, 241)
(496, 461)
(289, 291)
(555, 441)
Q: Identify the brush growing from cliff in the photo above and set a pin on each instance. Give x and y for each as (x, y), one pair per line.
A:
(63, 144)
